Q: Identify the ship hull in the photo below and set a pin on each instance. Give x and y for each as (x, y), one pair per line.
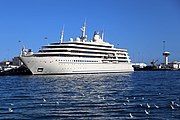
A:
(55, 66)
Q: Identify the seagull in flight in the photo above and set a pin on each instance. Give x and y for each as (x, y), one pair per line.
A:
(10, 110)
(148, 105)
(156, 106)
(131, 116)
(147, 113)
(44, 99)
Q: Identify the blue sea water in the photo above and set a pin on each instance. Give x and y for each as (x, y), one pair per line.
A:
(139, 95)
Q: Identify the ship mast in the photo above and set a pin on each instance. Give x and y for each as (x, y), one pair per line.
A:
(83, 30)
(62, 35)
(102, 35)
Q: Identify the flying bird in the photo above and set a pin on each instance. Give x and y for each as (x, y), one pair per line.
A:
(147, 113)
(131, 116)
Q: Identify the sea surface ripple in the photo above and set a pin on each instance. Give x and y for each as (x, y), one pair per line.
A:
(139, 95)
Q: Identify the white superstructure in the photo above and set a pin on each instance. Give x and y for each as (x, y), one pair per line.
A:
(77, 56)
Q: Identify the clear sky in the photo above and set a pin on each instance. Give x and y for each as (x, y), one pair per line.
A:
(141, 26)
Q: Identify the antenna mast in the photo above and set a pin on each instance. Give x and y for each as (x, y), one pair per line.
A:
(62, 35)
(83, 29)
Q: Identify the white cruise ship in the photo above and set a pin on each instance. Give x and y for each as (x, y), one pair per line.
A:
(77, 56)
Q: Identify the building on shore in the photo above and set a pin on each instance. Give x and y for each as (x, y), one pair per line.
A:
(174, 65)
(8, 65)
(14, 67)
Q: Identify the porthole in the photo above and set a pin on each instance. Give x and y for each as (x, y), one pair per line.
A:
(40, 70)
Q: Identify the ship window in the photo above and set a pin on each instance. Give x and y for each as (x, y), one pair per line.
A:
(40, 70)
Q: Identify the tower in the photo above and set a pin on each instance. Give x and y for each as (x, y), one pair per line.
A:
(166, 54)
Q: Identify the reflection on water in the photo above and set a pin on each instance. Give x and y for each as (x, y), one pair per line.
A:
(138, 95)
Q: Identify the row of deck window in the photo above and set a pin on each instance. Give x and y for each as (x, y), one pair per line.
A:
(77, 60)
(80, 47)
